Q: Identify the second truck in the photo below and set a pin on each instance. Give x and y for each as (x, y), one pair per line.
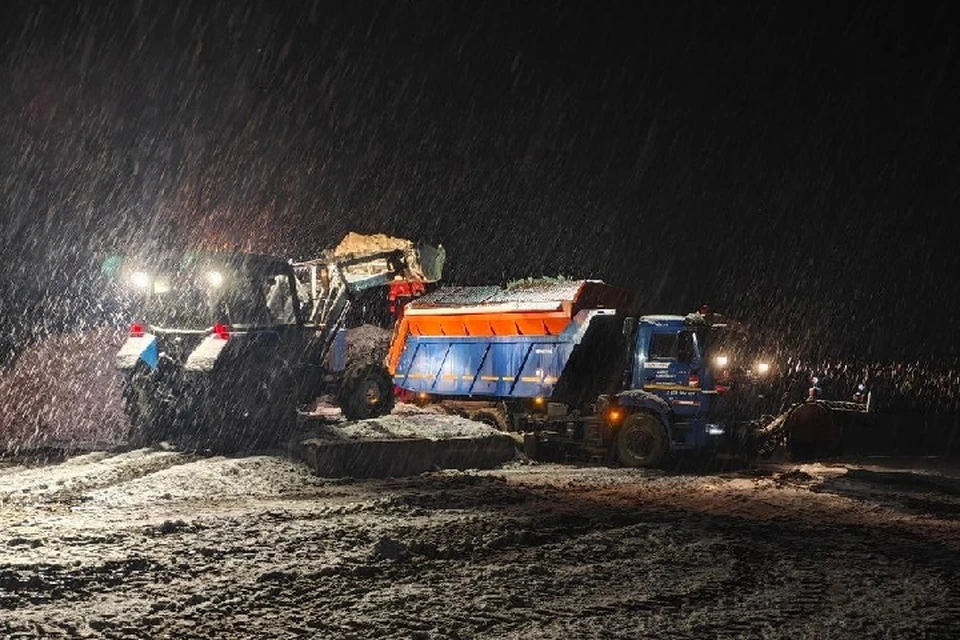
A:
(568, 365)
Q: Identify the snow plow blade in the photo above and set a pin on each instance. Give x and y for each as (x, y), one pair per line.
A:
(390, 458)
(820, 429)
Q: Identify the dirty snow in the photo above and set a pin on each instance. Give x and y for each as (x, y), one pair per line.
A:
(365, 244)
(405, 424)
(368, 343)
(155, 544)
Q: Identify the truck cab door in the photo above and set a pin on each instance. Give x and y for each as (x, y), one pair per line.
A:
(672, 361)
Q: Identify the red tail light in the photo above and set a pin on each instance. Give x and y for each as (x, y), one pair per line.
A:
(222, 331)
(137, 330)
(694, 380)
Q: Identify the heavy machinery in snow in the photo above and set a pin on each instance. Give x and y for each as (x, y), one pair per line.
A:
(229, 345)
(566, 364)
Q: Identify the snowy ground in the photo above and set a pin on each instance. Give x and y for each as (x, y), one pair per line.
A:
(162, 544)
(153, 543)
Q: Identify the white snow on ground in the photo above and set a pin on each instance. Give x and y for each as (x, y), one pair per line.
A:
(81, 474)
(166, 546)
(407, 424)
(223, 478)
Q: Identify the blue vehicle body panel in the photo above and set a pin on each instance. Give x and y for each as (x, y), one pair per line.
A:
(666, 352)
(510, 367)
(495, 366)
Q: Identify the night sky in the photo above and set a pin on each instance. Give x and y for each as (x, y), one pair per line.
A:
(791, 163)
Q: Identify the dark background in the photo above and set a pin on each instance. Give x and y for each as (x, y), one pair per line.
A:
(795, 164)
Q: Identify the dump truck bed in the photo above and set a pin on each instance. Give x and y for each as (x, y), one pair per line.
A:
(539, 339)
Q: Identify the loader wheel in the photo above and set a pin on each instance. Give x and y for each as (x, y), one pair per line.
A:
(149, 423)
(642, 441)
(366, 391)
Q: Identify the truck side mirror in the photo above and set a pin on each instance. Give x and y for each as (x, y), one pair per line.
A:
(629, 326)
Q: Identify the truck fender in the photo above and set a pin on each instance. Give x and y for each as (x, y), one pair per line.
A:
(638, 399)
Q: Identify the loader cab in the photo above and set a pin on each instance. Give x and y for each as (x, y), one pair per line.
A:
(195, 290)
(199, 310)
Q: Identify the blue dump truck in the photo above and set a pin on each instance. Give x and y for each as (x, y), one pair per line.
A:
(567, 365)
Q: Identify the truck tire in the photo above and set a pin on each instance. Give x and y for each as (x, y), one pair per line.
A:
(642, 441)
(366, 391)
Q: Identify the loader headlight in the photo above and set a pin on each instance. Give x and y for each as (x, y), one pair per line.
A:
(721, 362)
(140, 279)
(215, 278)
(763, 368)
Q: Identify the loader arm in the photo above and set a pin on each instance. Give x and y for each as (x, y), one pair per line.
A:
(360, 263)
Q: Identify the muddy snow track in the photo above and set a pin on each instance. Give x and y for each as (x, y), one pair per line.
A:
(159, 544)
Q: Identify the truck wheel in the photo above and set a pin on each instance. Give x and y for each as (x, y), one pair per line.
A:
(366, 391)
(642, 441)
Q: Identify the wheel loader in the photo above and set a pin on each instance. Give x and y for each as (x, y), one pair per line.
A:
(229, 346)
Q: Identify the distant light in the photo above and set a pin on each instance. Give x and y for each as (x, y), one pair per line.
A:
(140, 279)
(721, 361)
(161, 285)
(538, 401)
(215, 278)
(613, 416)
(763, 368)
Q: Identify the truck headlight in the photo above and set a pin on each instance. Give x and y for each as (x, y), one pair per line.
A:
(763, 368)
(721, 361)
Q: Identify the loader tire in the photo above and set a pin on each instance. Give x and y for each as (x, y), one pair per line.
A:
(642, 441)
(149, 423)
(366, 391)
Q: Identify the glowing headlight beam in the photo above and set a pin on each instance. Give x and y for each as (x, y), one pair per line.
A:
(215, 278)
(721, 361)
(140, 279)
(763, 368)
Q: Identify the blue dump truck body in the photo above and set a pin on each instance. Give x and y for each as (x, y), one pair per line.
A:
(566, 364)
(513, 366)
